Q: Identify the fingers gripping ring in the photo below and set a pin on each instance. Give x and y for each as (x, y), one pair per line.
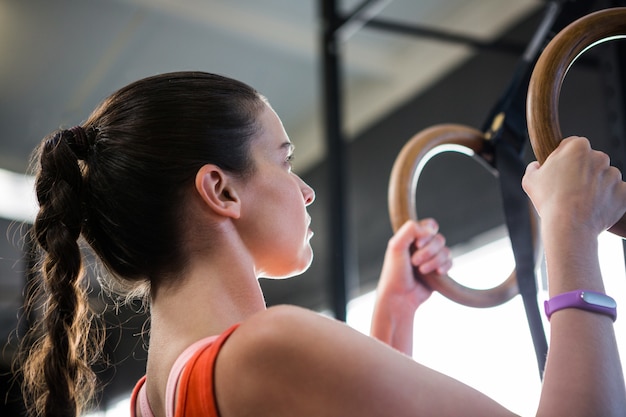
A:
(542, 102)
(402, 204)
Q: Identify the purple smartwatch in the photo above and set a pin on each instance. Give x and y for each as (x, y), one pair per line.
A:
(584, 300)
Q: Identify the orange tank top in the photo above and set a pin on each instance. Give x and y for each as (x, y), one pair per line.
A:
(192, 375)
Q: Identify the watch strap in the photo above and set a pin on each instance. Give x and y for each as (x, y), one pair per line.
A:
(584, 300)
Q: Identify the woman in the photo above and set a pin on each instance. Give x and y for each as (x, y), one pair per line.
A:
(182, 185)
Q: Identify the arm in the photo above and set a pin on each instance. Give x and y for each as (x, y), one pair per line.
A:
(399, 293)
(578, 195)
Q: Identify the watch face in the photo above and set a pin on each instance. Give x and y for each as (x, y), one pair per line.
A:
(598, 300)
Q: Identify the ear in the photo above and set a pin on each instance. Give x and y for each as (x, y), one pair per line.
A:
(216, 189)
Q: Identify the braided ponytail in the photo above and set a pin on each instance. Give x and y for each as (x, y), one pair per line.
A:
(58, 379)
(122, 182)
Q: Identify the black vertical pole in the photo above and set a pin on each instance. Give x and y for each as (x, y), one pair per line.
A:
(336, 157)
(617, 110)
(613, 70)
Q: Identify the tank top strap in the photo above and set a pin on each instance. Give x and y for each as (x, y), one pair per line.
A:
(172, 381)
(177, 369)
(142, 397)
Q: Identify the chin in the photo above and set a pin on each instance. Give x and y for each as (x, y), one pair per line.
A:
(291, 272)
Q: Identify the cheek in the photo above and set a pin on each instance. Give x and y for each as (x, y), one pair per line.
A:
(285, 194)
(276, 205)
(287, 221)
(271, 206)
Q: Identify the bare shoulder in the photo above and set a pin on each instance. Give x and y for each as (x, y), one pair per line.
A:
(270, 333)
(289, 361)
(272, 363)
(282, 317)
(284, 324)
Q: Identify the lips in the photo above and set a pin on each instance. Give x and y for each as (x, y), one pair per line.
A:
(309, 230)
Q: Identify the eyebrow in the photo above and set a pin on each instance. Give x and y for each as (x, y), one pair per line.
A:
(288, 145)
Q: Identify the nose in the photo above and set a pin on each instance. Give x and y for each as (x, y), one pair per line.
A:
(308, 193)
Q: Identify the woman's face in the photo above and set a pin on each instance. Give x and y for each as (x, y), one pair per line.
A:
(274, 222)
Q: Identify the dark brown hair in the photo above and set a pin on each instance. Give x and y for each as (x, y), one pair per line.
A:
(120, 181)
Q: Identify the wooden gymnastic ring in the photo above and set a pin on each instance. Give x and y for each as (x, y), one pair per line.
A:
(542, 101)
(402, 205)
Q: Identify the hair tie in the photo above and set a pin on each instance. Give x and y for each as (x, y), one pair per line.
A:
(80, 144)
(53, 141)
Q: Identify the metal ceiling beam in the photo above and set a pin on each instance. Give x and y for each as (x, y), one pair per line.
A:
(363, 13)
(514, 48)
(338, 247)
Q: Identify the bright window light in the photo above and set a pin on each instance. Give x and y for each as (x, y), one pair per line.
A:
(119, 409)
(18, 198)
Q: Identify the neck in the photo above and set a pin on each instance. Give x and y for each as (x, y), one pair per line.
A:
(213, 294)
(217, 289)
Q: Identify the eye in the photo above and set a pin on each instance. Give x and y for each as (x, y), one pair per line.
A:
(289, 160)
